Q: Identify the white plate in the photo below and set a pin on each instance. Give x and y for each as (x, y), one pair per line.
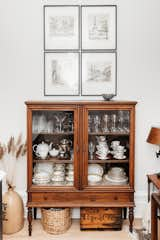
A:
(95, 169)
(39, 182)
(93, 178)
(115, 180)
(119, 157)
(69, 178)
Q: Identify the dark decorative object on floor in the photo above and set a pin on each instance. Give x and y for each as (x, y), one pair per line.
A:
(142, 234)
(108, 97)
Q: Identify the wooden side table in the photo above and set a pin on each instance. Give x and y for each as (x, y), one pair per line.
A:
(155, 205)
(152, 178)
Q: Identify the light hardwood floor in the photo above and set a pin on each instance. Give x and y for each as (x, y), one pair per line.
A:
(73, 233)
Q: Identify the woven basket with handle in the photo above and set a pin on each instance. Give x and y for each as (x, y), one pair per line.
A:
(56, 220)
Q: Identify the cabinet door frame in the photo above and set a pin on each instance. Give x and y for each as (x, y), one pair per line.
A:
(52, 107)
(111, 188)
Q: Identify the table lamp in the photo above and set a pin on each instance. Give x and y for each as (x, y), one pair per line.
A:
(154, 138)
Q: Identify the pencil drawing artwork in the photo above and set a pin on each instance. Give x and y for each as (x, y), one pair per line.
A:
(98, 27)
(61, 26)
(99, 71)
(55, 73)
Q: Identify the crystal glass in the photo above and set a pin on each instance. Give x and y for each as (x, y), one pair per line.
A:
(90, 123)
(126, 121)
(105, 123)
(59, 121)
(96, 122)
(35, 123)
(114, 123)
(91, 149)
(120, 121)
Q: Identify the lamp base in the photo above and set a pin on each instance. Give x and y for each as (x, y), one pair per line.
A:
(158, 154)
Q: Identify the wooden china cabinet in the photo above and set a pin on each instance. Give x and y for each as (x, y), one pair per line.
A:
(80, 154)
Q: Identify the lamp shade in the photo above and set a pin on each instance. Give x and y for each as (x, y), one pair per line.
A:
(154, 136)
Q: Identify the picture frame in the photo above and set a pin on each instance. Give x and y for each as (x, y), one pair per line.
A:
(99, 27)
(61, 74)
(61, 27)
(99, 73)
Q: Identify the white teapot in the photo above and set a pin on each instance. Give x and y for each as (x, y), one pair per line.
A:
(42, 149)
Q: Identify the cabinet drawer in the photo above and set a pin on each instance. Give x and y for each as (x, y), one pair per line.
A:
(82, 199)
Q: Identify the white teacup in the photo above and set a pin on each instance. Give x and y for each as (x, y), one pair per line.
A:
(115, 143)
(121, 148)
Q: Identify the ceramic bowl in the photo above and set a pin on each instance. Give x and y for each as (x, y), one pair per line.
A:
(95, 169)
(108, 97)
(54, 152)
(94, 178)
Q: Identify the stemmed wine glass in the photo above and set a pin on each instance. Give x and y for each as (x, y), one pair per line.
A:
(60, 119)
(97, 122)
(126, 121)
(120, 121)
(91, 149)
(113, 122)
(89, 123)
(105, 123)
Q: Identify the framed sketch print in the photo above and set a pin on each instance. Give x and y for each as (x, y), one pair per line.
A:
(98, 73)
(99, 27)
(61, 73)
(61, 27)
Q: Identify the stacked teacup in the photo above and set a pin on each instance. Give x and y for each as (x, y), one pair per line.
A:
(70, 174)
(119, 154)
(58, 173)
(102, 148)
(118, 150)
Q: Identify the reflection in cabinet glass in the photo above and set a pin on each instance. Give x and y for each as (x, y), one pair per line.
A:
(52, 144)
(80, 154)
(108, 144)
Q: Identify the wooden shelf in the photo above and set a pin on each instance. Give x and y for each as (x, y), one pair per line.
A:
(54, 133)
(53, 160)
(108, 133)
(109, 161)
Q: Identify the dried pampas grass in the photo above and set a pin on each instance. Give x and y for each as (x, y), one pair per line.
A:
(9, 154)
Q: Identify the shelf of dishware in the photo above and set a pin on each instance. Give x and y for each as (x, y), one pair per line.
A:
(53, 174)
(108, 134)
(55, 184)
(109, 161)
(53, 160)
(54, 133)
(98, 175)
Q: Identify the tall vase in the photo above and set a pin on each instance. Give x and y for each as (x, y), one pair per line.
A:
(14, 212)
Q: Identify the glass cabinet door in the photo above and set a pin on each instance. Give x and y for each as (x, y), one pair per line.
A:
(108, 147)
(53, 148)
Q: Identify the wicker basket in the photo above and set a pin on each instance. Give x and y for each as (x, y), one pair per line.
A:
(56, 220)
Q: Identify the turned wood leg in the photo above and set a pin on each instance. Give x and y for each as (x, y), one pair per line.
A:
(131, 218)
(30, 221)
(35, 213)
(154, 229)
(125, 213)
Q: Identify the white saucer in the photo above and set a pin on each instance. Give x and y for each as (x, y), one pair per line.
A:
(120, 157)
(102, 158)
(123, 180)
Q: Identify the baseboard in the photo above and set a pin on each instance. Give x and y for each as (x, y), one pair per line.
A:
(140, 205)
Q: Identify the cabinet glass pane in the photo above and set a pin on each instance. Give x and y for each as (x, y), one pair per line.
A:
(52, 148)
(108, 147)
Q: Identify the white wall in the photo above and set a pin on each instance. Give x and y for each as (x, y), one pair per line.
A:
(21, 72)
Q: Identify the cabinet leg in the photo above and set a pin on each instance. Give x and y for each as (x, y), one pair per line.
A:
(30, 221)
(131, 218)
(35, 213)
(125, 213)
